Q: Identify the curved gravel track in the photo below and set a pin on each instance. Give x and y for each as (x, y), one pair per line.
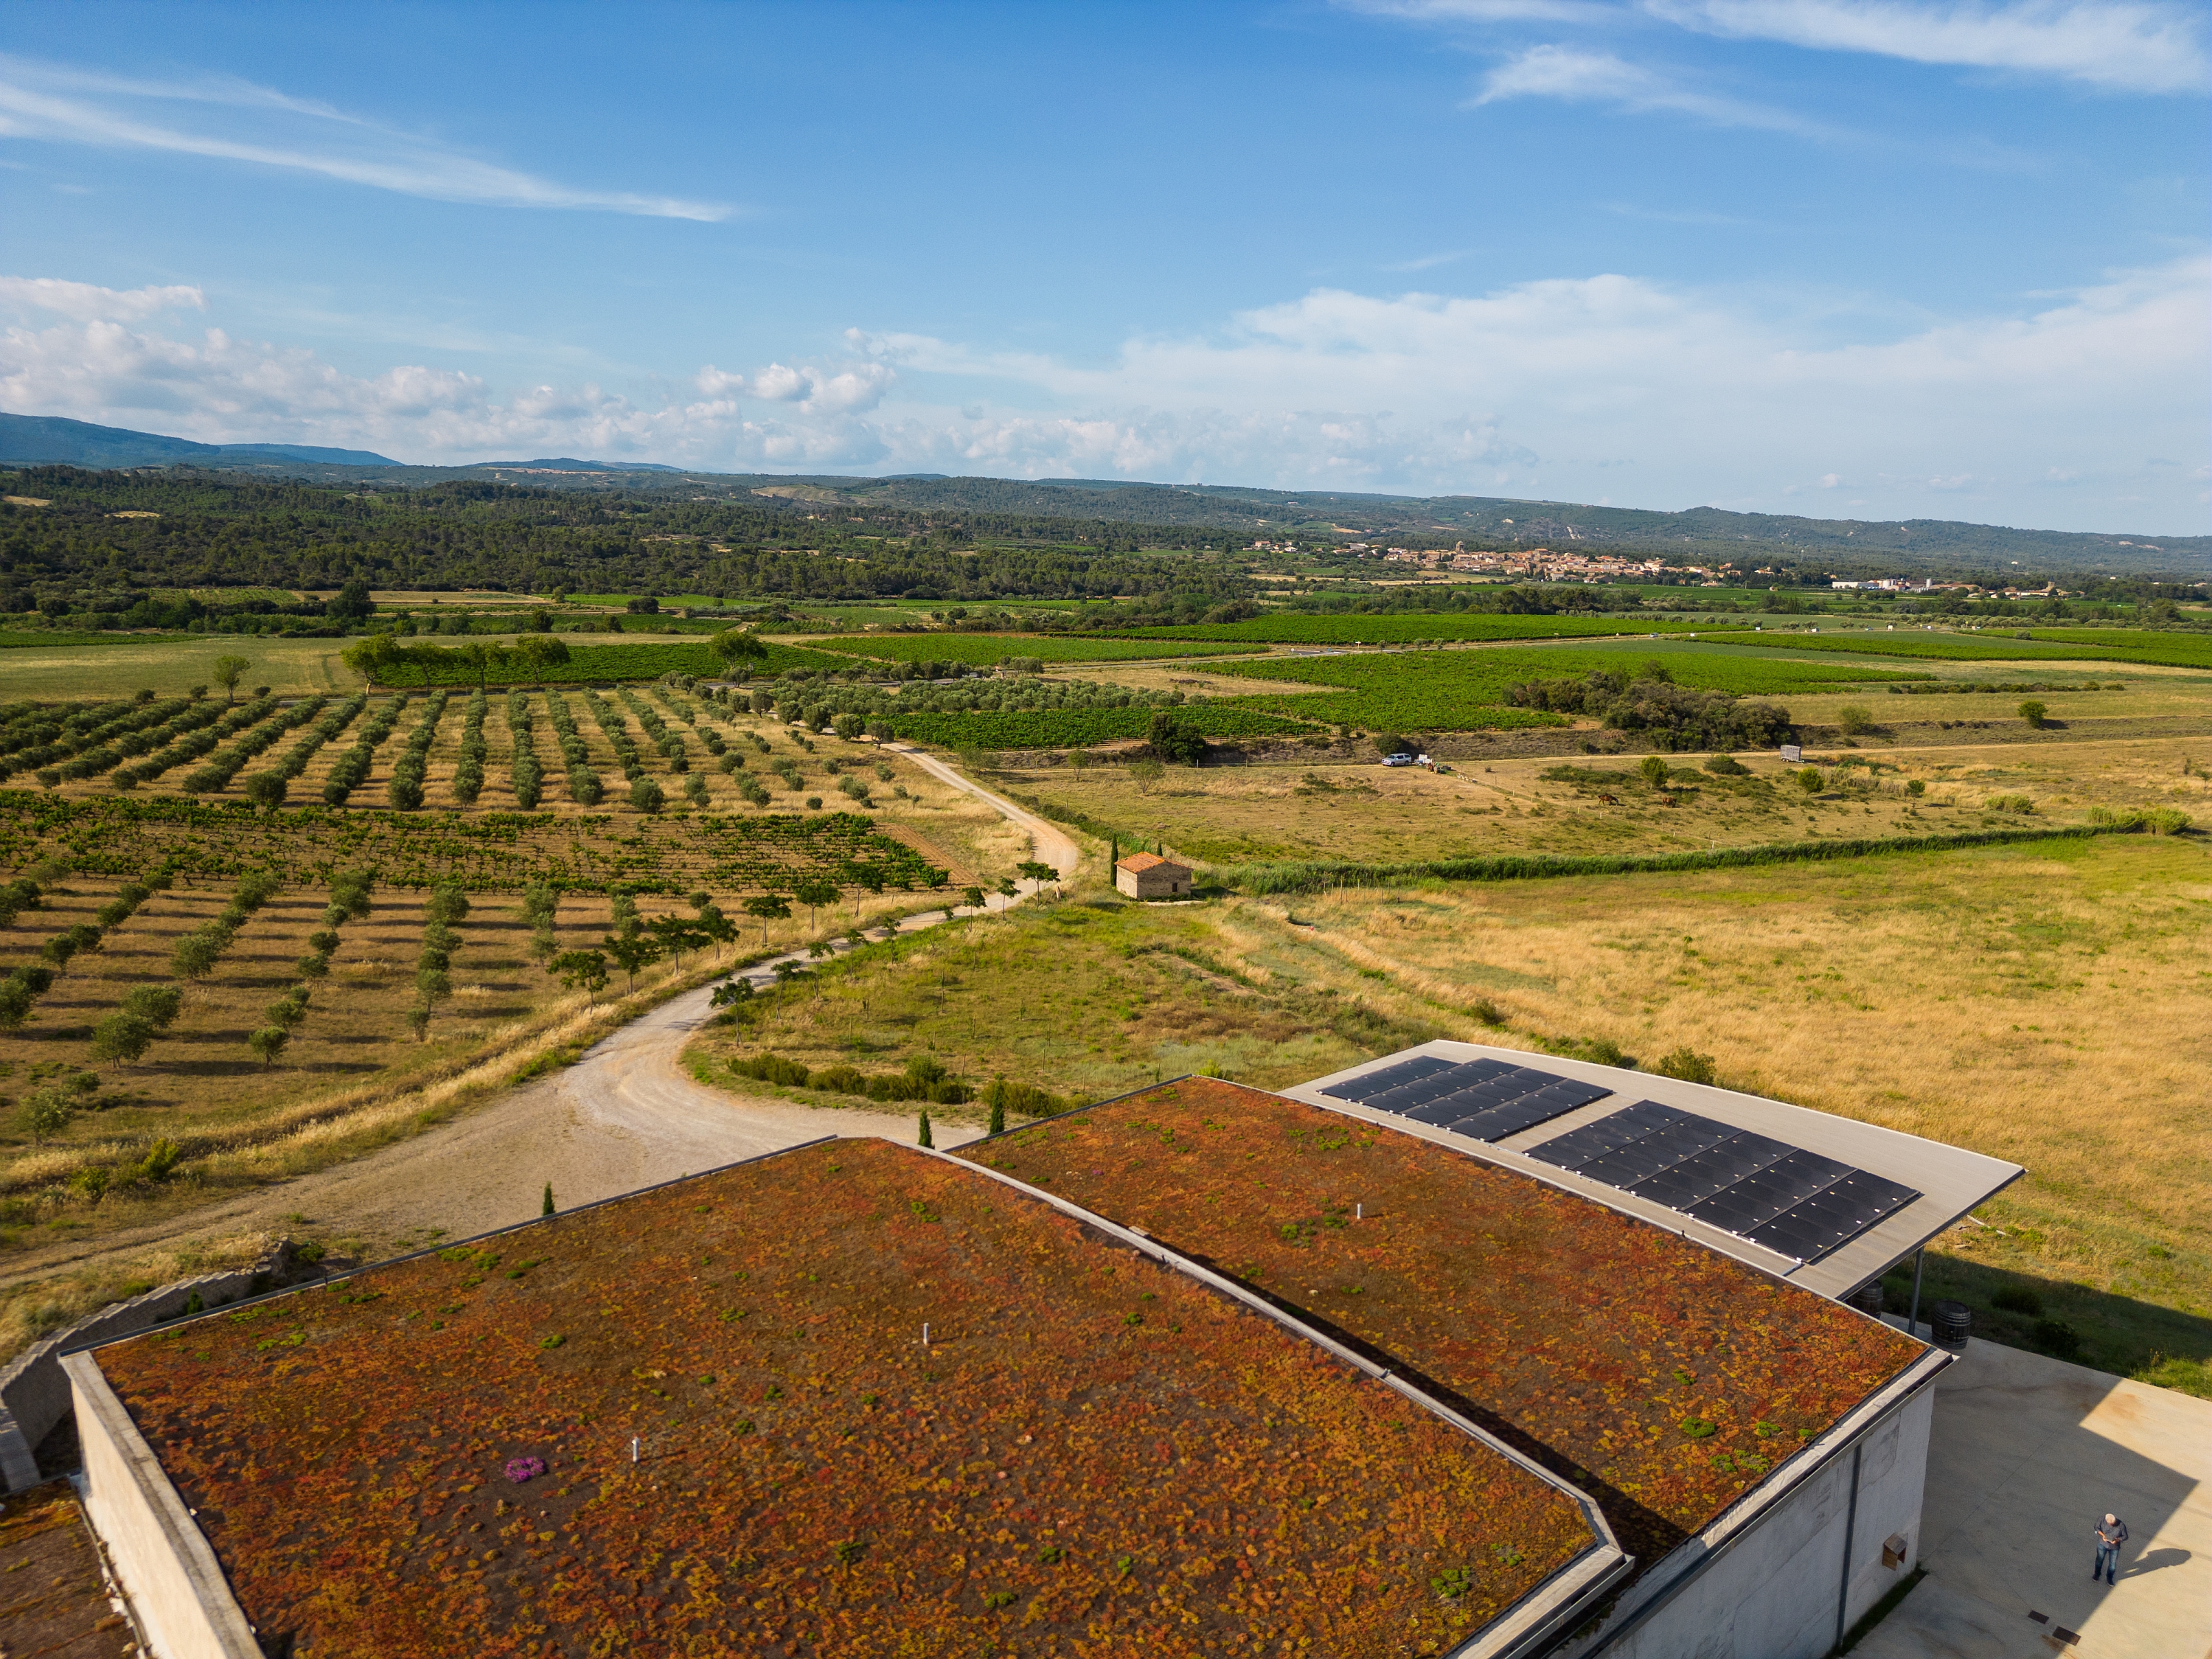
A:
(625, 1116)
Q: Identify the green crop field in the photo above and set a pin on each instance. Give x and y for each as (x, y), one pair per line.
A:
(1465, 690)
(984, 650)
(2137, 644)
(702, 600)
(1934, 647)
(1406, 627)
(1070, 728)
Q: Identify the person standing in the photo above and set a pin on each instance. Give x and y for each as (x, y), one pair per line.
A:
(2110, 1535)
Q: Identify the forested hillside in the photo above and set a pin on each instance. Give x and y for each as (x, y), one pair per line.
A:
(182, 528)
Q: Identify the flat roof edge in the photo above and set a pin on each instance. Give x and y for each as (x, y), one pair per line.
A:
(121, 1337)
(1561, 1597)
(1744, 1516)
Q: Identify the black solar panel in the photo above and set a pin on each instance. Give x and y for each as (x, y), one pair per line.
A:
(1791, 1200)
(1485, 1099)
(1361, 1089)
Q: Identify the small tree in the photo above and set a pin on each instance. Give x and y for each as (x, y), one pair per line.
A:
(352, 603)
(972, 897)
(814, 892)
(1654, 770)
(739, 649)
(226, 671)
(997, 1100)
(121, 1036)
(1033, 870)
(546, 1207)
(646, 795)
(541, 651)
(1856, 718)
(2034, 712)
(581, 970)
(268, 1043)
(1810, 780)
(921, 1137)
(266, 790)
(631, 951)
(769, 907)
(1173, 740)
(1007, 893)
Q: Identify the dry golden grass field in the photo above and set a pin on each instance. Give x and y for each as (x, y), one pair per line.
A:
(2044, 1004)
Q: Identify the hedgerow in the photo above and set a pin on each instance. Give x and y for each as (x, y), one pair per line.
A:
(224, 764)
(404, 791)
(585, 788)
(468, 775)
(527, 775)
(589, 662)
(1313, 875)
(988, 650)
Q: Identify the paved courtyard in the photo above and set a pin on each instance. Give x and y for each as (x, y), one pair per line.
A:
(2026, 1454)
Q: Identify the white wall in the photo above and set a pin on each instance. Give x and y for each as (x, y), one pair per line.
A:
(1771, 1593)
(175, 1585)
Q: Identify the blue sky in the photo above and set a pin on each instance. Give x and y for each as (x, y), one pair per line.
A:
(1847, 257)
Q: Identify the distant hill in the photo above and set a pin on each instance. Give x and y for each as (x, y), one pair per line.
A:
(32, 439)
(1158, 512)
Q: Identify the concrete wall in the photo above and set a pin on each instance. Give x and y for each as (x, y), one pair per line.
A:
(34, 1395)
(167, 1569)
(1771, 1593)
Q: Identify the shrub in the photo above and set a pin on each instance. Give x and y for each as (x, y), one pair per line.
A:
(2033, 712)
(2057, 1338)
(1687, 1064)
(2008, 804)
(1726, 766)
(1917, 787)
(268, 1043)
(1654, 770)
(1810, 780)
(646, 795)
(1855, 719)
(266, 790)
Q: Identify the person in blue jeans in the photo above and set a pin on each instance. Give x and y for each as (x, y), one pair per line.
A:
(2109, 1536)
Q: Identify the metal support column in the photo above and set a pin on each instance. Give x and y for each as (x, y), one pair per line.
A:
(1913, 1319)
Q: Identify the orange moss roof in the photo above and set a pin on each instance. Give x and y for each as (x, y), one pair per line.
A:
(1663, 1379)
(1096, 1454)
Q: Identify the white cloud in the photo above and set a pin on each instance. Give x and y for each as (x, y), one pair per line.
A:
(1580, 76)
(56, 104)
(1567, 389)
(2118, 45)
(816, 391)
(85, 302)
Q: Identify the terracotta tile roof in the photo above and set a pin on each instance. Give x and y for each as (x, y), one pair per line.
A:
(1138, 863)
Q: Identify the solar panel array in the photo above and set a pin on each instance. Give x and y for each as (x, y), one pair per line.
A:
(1483, 1099)
(1791, 1200)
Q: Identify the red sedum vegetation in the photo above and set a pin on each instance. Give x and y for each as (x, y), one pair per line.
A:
(1095, 1455)
(1662, 1378)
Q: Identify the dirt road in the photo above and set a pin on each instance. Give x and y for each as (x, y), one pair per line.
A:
(626, 1115)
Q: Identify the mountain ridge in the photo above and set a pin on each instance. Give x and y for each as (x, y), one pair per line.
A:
(1705, 535)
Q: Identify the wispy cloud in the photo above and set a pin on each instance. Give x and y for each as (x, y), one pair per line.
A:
(2119, 45)
(1429, 261)
(87, 303)
(1600, 78)
(57, 104)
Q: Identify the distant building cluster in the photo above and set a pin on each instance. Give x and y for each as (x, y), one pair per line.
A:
(1540, 564)
(1903, 584)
